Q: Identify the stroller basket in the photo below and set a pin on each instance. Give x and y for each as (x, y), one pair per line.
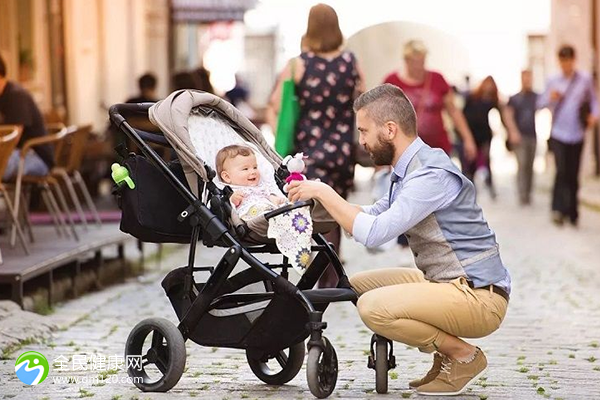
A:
(267, 320)
(150, 212)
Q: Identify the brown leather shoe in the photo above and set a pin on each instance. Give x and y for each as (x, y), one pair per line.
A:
(455, 376)
(431, 375)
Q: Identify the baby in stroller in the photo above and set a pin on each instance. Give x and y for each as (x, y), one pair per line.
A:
(237, 166)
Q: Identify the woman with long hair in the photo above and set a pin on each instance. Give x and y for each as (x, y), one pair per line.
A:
(328, 79)
(478, 105)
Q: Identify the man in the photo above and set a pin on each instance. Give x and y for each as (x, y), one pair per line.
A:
(572, 99)
(461, 287)
(522, 138)
(147, 84)
(17, 107)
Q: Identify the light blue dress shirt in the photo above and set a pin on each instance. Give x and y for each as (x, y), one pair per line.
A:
(565, 125)
(429, 190)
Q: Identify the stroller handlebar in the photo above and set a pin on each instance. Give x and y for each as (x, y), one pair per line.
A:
(116, 111)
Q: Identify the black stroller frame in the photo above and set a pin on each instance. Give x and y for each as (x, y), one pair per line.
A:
(293, 312)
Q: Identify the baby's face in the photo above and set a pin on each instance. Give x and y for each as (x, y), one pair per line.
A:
(241, 170)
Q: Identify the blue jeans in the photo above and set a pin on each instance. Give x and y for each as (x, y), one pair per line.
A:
(34, 165)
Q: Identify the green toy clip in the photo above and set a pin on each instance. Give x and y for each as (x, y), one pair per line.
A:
(121, 174)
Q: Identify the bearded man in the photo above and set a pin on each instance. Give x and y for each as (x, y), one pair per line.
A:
(460, 288)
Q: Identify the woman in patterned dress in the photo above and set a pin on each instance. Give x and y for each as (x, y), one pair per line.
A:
(328, 79)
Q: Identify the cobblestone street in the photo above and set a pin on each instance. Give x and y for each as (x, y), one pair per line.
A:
(547, 347)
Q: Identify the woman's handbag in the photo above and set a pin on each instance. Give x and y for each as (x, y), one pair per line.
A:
(289, 112)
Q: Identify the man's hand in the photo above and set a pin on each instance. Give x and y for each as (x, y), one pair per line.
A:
(555, 95)
(306, 190)
(237, 198)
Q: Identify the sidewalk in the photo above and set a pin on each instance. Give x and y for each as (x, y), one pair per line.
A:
(547, 347)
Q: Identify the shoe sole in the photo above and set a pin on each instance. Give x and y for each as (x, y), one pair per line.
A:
(454, 393)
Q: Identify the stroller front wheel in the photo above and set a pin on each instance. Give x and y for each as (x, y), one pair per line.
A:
(381, 365)
(322, 369)
(286, 366)
(156, 352)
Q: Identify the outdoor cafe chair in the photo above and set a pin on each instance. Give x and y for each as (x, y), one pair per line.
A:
(9, 137)
(48, 183)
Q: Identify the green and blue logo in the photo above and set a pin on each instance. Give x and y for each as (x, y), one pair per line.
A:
(32, 368)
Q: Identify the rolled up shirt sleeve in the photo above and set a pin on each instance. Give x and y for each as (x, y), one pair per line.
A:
(423, 192)
(380, 206)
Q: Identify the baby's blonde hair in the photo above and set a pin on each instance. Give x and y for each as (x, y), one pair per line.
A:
(229, 152)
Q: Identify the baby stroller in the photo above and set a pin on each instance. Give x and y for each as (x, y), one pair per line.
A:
(180, 202)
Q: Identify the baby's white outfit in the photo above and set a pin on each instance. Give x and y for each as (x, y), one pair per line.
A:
(256, 200)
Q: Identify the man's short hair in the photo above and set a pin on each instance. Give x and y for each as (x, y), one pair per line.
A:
(2, 67)
(388, 102)
(147, 81)
(566, 52)
(228, 152)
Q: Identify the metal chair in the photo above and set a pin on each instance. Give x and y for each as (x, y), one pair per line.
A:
(69, 155)
(48, 183)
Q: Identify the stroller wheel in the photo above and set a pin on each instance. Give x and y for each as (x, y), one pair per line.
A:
(322, 369)
(280, 368)
(381, 365)
(156, 352)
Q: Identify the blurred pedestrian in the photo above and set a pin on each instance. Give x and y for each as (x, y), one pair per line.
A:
(17, 107)
(147, 86)
(571, 97)
(328, 79)
(522, 140)
(239, 93)
(202, 78)
(430, 94)
(478, 105)
(184, 80)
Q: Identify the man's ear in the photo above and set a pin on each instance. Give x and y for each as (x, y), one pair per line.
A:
(392, 130)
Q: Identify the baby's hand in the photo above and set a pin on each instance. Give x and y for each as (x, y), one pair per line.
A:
(277, 200)
(236, 198)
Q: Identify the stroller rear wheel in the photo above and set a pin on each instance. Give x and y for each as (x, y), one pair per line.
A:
(156, 352)
(322, 369)
(285, 366)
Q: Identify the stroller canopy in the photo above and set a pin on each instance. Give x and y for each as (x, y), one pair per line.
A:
(172, 116)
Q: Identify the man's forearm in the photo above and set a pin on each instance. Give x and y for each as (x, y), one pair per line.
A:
(343, 212)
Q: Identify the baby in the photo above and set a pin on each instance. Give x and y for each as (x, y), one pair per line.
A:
(237, 166)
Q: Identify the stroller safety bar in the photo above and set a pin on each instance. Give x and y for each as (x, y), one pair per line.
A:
(289, 207)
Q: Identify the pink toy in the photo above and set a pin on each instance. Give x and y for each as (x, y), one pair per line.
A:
(295, 166)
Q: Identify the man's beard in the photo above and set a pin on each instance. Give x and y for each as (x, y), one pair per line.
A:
(383, 152)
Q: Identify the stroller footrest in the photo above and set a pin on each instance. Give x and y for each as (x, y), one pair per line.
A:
(330, 295)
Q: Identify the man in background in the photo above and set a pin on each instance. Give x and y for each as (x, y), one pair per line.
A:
(522, 140)
(571, 98)
(147, 84)
(17, 107)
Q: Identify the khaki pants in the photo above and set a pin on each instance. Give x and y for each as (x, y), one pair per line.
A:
(401, 305)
